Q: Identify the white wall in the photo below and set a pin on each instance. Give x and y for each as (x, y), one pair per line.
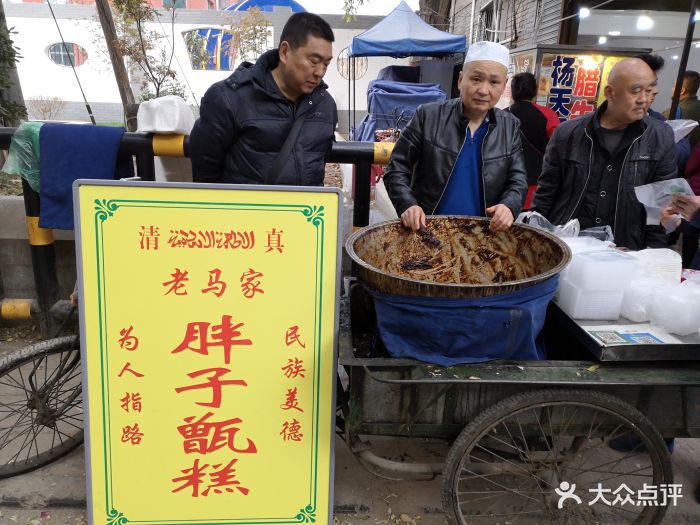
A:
(39, 76)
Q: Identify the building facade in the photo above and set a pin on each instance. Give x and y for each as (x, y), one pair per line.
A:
(45, 67)
(514, 23)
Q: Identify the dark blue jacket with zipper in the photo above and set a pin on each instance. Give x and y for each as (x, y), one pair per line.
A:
(426, 152)
(244, 121)
(566, 172)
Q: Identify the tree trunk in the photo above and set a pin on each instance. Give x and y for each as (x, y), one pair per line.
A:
(110, 33)
(14, 92)
(436, 13)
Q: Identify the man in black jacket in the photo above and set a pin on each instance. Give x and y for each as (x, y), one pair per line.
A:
(593, 163)
(245, 119)
(462, 156)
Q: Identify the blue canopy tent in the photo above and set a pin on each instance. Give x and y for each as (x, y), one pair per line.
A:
(266, 6)
(401, 33)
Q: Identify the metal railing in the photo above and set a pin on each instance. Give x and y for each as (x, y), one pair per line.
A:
(50, 310)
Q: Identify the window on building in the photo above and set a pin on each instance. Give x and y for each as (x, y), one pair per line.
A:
(65, 54)
(177, 4)
(487, 24)
(210, 48)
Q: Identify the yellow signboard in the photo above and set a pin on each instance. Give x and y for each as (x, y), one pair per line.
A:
(208, 319)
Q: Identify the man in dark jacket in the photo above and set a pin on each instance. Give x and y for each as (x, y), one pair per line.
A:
(245, 119)
(462, 156)
(689, 105)
(593, 163)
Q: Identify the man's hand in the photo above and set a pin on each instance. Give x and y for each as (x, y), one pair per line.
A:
(686, 205)
(669, 219)
(501, 217)
(413, 217)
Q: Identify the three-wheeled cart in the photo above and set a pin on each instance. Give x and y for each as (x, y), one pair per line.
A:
(595, 421)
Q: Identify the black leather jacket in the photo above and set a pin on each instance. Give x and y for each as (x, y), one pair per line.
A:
(566, 173)
(244, 121)
(423, 158)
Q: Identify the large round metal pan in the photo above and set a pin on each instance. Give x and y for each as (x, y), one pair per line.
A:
(467, 259)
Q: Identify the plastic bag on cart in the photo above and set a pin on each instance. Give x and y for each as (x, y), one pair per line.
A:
(639, 294)
(602, 233)
(570, 229)
(675, 309)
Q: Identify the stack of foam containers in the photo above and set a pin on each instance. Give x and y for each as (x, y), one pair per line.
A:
(659, 263)
(578, 245)
(594, 284)
(656, 271)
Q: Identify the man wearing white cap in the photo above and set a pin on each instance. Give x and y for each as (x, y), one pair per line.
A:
(462, 156)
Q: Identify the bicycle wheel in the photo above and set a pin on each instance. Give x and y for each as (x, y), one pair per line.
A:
(512, 463)
(41, 412)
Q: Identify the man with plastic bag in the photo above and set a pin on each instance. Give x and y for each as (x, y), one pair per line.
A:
(462, 156)
(593, 162)
(272, 122)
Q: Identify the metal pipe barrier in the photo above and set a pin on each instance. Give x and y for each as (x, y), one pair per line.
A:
(51, 311)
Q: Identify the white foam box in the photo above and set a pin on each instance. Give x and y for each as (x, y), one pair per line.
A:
(602, 270)
(579, 245)
(599, 305)
(662, 263)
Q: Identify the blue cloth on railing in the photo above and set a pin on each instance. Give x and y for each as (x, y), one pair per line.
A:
(448, 332)
(70, 152)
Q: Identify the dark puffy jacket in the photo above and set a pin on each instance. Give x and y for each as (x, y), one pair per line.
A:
(422, 160)
(566, 172)
(244, 121)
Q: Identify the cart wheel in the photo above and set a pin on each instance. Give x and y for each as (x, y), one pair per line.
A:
(41, 413)
(507, 463)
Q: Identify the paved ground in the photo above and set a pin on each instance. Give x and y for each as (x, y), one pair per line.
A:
(56, 494)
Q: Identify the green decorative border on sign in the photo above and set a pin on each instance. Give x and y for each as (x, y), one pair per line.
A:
(114, 517)
(307, 515)
(105, 210)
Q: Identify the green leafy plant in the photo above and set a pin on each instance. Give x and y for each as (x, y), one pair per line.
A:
(147, 51)
(9, 55)
(250, 35)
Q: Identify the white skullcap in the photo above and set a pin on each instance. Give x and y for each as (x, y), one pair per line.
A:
(488, 51)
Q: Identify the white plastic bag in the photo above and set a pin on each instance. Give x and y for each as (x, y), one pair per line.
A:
(681, 128)
(168, 114)
(657, 196)
(636, 304)
(675, 309)
(382, 206)
(570, 229)
(602, 233)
